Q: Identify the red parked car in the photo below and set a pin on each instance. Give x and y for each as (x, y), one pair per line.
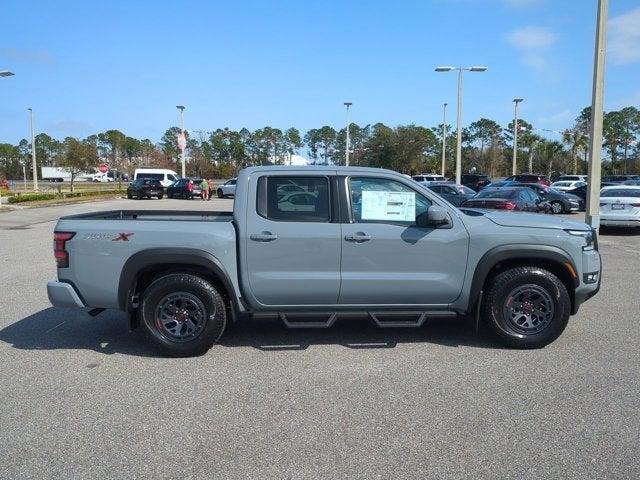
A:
(521, 199)
(530, 178)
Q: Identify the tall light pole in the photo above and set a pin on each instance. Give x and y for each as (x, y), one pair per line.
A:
(595, 139)
(181, 108)
(346, 157)
(514, 166)
(4, 73)
(33, 152)
(459, 120)
(444, 139)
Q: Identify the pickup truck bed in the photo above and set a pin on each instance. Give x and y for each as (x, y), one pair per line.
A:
(155, 215)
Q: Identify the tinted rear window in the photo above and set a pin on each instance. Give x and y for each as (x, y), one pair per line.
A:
(623, 192)
(155, 176)
(497, 193)
(309, 204)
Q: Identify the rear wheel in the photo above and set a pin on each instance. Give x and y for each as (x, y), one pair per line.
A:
(183, 314)
(159, 197)
(556, 207)
(129, 196)
(220, 193)
(527, 307)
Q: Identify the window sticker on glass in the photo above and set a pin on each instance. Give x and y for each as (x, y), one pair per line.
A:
(394, 206)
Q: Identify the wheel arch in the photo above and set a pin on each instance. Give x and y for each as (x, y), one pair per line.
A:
(144, 266)
(502, 257)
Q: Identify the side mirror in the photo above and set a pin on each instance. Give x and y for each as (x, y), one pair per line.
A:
(433, 217)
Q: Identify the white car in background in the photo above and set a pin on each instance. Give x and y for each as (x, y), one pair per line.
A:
(572, 178)
(102, 178)
(620, 206)
(429, 178)
(564, 185)
(227, 189)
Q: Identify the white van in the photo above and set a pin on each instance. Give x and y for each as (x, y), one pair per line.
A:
(166, 177)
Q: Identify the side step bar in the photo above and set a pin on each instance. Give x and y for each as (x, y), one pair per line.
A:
(418, 322)
(383, 319)
(308, 323)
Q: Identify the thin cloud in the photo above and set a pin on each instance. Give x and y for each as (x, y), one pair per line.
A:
(533, 44)
(37, 57)
(624, 38)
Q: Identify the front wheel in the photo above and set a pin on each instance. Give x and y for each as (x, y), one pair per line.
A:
(129, 196)
(220, 193)
(183, 314)
(527, 307)
(556, 207)
(159, 197)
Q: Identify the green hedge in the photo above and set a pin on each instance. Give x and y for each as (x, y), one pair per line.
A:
(33, 197)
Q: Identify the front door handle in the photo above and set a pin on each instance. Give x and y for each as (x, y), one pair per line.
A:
(263, 237)
(358, 237)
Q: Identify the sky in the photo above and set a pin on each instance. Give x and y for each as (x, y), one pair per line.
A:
(86, 67)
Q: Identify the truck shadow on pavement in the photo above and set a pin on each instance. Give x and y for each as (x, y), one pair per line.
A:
(60, 328)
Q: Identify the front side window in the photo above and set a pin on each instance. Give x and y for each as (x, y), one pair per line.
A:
(309, 203)
(381, 200)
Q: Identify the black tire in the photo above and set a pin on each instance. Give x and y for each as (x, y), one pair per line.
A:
(499, 308)
(159, 197)
(129, 196)
(220, 193)
(191, 287)
(557, 207)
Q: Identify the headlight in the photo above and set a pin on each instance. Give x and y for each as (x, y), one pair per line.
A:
(588, 235)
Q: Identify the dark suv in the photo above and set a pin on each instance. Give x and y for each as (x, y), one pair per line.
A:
(180, 189)
(145, 188)
(475, 181)
(530, 178)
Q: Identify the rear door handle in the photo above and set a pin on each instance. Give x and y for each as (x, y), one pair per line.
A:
(358, 237)
(263, 237)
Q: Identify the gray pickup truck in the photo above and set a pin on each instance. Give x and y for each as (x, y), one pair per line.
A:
(313, 244)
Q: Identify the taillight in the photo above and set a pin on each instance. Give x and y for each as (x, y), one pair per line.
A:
(509, 205)
(60, 253)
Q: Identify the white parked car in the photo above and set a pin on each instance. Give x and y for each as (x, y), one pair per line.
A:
(227, 189)
(572, 178)
(428, 178)
(620, 206)
(564, 185)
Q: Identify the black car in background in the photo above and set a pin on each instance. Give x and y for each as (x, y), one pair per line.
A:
(560, 202)
(145, 188)
(180, 190)
(475, 181)
(520, 199)
(452, 193)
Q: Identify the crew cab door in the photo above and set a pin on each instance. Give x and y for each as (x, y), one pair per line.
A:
(292, 241)
(387, 259)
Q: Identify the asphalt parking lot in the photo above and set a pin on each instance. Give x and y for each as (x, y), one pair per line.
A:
(81, 397)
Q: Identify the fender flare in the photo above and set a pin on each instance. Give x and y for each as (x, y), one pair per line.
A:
(516, 252)
(168, 256)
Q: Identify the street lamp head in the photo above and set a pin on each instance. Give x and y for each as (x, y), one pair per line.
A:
(518, 100)
(6, 73)
(348, 104)
(478, 68)
(444, 69)
(30, 109)
(180, 107)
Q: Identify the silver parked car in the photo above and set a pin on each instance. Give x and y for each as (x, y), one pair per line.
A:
(227, 189)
